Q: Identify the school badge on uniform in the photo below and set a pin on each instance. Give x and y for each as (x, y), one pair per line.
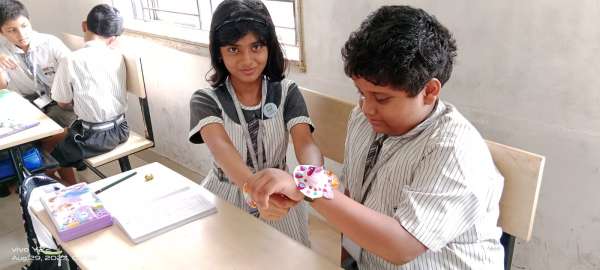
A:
(269, 110)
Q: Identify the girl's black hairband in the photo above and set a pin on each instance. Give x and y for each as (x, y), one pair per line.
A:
(237, 20)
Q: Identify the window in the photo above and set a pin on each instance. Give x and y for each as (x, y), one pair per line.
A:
(189, 20)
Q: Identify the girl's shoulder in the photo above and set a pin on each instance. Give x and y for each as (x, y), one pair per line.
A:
(283, 88)
(210, 92)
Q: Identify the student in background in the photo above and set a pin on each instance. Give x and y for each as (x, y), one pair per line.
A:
(423, 189)
(91, 81)
(28, 60)
(249, 113)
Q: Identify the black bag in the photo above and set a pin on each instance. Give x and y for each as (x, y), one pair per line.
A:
(41, 258)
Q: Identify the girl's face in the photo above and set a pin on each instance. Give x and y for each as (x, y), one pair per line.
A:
(245, 59)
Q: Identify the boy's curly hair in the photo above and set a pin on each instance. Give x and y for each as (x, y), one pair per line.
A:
(401, 47)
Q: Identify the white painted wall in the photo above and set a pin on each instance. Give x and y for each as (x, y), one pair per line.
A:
(526, 76)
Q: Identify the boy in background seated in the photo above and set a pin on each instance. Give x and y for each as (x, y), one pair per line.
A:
(91, 81)
(28, 60)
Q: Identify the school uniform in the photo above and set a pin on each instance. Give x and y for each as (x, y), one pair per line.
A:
(438, 181)
(93, 78)
(283, 107)
(35, 71)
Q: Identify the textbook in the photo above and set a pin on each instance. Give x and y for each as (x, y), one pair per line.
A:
(145, 207)
(75, 211)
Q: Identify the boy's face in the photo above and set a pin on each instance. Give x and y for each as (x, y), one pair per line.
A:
(246, 59)
(391, 111)
(18, 31)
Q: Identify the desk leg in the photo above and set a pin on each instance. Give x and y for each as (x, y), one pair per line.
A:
(124, 164)
(508, 242)
(17, 160)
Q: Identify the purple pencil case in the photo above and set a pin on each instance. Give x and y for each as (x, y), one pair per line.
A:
(76, 211)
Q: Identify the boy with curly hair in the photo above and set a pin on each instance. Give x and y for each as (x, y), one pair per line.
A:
(423, 189)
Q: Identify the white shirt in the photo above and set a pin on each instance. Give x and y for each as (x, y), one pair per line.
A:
(94, 79)
(45, 52)
(439, 182)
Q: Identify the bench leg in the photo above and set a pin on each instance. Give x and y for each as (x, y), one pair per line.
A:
(124, 163)
(508, 242)
(96, 171)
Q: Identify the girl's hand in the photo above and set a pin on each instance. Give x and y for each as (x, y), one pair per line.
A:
(279, 207)
(272, 182)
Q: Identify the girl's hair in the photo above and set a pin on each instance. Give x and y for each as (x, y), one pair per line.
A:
(231, 21)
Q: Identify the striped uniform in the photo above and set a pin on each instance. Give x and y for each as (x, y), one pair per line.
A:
(39, 63)
(216, 106)
(35, 71)
(439, 182)
(94, 79)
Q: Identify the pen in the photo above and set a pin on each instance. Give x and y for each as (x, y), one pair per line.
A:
(115, 182)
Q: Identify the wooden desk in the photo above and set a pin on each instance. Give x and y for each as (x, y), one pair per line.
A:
(230, 239)
(17, 105)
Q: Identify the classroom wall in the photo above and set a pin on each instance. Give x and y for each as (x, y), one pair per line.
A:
(526, 75)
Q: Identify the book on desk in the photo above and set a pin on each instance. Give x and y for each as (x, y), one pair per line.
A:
(75, 211)
(144, 207)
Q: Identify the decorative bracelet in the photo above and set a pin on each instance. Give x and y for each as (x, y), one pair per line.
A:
(315, 182)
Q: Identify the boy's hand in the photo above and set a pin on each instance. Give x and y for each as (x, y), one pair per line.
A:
(279, 206)
(7, 62)
(272, 181)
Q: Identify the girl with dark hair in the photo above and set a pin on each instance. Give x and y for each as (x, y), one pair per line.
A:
(249, 113)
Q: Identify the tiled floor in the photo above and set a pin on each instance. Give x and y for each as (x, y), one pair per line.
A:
(325, 240)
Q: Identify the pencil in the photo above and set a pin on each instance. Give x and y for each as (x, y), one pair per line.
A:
(115, 182)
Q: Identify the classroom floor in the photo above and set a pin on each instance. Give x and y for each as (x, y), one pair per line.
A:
(325, 240)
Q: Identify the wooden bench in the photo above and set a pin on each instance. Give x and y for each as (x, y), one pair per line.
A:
(137, 87)
(522, 170)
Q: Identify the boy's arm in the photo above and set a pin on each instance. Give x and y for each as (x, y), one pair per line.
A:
(380, 234)
(307, 151)
(65, 106)
(61, 90)
(60, 49)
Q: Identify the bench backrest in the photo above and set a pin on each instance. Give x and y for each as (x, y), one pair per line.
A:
(133, 65)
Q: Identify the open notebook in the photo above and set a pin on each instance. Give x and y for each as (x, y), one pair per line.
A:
(144, 209)
(11, 120)
(9, 126)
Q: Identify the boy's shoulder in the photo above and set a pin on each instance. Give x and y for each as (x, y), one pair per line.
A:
(46, 40)
(451, 127)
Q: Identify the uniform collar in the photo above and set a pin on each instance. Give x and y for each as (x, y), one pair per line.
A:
(96, 43)
(438, 110)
